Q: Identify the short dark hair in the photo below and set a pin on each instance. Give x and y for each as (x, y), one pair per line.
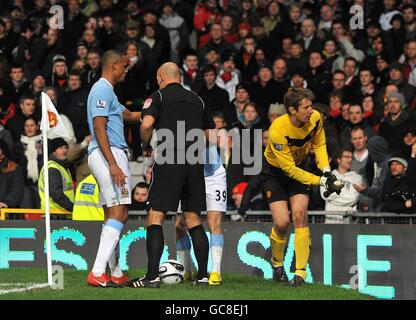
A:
(339, 71)
(340, 151)
(218, 114)
(27, 96)
(142, 185)
(294, 97)
(74, 73)
(364, 68)
(357, 127)
(355, 104)
(409, 6)
(16, 65)
(351, 59)
(209, 68)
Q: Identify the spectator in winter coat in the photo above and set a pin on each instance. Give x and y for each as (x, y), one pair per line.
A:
(229, 77)
(399, 193)
(396, 121)
(348, 198)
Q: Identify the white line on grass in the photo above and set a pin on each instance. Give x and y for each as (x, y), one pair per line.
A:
(31, 287)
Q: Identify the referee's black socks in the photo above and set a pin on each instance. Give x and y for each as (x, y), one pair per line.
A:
(201, 249)
(154, 245)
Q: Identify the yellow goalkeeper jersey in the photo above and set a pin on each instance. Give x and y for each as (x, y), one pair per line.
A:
(289, 146)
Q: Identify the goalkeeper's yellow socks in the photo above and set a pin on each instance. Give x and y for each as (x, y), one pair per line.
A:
(302, 250)
(278, 243)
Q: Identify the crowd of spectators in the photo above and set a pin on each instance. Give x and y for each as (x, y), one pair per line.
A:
(241, 57)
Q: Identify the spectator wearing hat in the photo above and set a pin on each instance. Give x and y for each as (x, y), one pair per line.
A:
(215, 98)
(47, 48)
(216, 42)
(399, 193)
(61, 189)
(408, 143)
(266, 90)
(59, 77)
(397, 119)
(233, 113)
(317, 77)
(297, 79)
(207, 13)
(11, 180)
(396, 78)
(388, 13)
(382, 70)
(243, 30)
(228, 77)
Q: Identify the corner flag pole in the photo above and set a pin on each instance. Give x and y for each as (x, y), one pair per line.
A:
(45, 126)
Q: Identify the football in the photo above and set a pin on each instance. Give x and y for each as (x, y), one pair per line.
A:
(171, 272)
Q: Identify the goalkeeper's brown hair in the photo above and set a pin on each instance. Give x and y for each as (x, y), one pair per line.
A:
(294, 97)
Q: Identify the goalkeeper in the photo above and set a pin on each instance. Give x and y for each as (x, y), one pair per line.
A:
(285, 179)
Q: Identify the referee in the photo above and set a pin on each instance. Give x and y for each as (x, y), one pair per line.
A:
(174, 182)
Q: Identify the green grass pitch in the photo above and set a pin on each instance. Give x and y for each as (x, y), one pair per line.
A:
(234, 287)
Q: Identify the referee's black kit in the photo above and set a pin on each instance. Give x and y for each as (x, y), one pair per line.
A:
(173, 182)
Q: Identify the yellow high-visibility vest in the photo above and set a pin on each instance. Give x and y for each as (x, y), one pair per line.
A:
(68, 186)
(87, 201)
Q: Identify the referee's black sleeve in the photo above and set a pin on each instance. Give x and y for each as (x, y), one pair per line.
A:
(151, 106)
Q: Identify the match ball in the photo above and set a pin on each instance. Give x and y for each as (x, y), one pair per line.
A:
(171, 272)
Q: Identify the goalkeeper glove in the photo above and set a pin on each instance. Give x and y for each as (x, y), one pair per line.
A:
(331, 184)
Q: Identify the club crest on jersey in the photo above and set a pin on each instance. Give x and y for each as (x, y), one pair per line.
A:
(278, 147)
(147, 103)
(101, 104)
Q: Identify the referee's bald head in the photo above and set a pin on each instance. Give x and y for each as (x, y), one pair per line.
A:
(168, 73)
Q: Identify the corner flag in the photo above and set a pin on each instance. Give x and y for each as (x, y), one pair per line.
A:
(51, 122)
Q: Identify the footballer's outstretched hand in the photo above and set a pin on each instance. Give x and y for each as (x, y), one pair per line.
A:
(331, 184)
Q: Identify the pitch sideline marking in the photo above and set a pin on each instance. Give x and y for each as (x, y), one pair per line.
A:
(31, 287)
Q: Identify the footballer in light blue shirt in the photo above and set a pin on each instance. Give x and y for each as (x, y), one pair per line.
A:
(103, 102)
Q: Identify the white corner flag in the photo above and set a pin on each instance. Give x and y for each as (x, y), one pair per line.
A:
(51, 122)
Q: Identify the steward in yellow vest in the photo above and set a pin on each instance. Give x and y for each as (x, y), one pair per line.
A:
(87, 204)
(61, 187)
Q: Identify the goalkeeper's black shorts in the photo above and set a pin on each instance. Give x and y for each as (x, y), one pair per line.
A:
(279, 187)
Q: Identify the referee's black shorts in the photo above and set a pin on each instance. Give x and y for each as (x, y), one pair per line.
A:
(279, 187)
(172, 183)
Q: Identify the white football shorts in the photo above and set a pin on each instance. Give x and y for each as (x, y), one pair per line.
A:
(216, 191)
(110, 194)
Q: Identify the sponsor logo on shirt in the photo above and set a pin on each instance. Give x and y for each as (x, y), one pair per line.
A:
(278, 147)
(101, 104)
